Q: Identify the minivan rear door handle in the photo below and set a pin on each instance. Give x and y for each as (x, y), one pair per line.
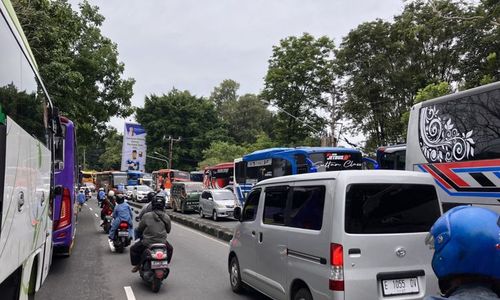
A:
(260, 237)
(354, 251)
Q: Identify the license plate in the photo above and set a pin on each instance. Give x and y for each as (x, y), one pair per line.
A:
(122, 233)
(159, 264)
(400, 286)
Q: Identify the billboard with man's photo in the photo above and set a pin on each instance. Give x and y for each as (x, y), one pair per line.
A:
(134, 147)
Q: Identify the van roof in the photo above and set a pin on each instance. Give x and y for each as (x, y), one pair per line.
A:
(352, 175)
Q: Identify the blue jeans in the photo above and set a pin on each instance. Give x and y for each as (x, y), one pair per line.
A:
(114, 226)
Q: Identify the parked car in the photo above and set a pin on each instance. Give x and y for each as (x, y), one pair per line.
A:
(185, 196)
(217, 203)
(352, 235)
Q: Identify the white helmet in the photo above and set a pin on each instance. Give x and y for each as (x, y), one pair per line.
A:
(101, 189)
(111, 194)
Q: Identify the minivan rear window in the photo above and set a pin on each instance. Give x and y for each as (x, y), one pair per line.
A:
(390, 208)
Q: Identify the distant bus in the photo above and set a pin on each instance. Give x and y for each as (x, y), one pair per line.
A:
(392, 157)
(110, 179)
(456, 139)
(87, 176)
(163, 179)
(26, 165)
(134, 177)
(274, 162)
(218, 176)
(66, 179)
(196, 176)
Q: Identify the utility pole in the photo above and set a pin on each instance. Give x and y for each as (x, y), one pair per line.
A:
(171, 141)
(84, 158)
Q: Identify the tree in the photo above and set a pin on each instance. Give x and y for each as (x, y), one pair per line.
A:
(299, 81)
(112, 155)
(225, 94)
(179, 114)
(220, 152)
(79, 65)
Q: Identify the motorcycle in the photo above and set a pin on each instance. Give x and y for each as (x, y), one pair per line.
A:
(106, 223)
(154, 266)
(122, 238)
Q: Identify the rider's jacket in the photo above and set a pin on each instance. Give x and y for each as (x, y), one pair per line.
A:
(469, 292)
(154, 227)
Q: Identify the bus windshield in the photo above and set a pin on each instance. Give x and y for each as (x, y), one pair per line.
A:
(120, 179)
(181, 175)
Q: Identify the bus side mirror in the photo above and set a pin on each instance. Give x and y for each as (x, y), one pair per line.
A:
(237, 213)
(55, 115)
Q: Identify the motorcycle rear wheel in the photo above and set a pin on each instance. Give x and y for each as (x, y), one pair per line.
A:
(155, 285)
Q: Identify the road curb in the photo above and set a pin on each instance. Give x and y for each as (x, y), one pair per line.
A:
(219, 232)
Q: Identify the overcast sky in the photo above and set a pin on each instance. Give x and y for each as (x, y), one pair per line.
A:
(195, 44)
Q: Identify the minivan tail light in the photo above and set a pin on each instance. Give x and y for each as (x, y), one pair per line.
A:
(65, 214)
(336, 280)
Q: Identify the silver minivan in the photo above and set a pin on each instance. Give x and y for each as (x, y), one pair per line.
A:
(354, 235)
(217, 203)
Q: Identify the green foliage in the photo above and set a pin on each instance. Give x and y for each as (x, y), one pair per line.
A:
(79, 65)
(179, 114)
(298, 81)
(243, 116)
(110, 159)
(220, 152)
(429, 92)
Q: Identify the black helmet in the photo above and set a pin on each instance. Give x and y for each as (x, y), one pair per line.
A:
(120, 198)
(151, 196)
(158, 203)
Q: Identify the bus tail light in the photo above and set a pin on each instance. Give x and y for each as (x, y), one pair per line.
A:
(65, 214)
(336, 280)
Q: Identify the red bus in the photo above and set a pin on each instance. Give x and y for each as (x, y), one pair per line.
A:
(162, 179)
(218, 176)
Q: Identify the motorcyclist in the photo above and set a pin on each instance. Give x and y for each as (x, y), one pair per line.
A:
(466, 258)
(108, 205)
(101, 195)
(153, 227)
(81, 199)
(121, 213)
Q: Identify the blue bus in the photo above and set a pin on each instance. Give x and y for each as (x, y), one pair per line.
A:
(391, 157)
(134, 177)
(275, 162)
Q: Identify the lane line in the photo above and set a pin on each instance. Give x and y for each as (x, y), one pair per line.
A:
(96, 215)
(202, 234)
(129, 293)
(90, 208)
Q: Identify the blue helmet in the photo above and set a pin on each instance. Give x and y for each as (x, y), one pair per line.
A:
(466, 240)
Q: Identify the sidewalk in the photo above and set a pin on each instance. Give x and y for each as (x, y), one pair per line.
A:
(219, 230)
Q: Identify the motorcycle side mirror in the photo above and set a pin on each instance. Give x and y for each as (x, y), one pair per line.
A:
(237, 213)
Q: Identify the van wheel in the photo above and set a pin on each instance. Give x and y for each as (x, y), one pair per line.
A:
(303, 294)
(235, 276)
(214, 216)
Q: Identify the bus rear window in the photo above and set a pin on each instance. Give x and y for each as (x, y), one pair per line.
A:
(337, 161)
(390, 208)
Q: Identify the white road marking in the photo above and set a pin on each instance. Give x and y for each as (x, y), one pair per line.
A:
(111, 246)
(199, 233)
(90, 208)
(85, 204)
(129, 293)
(96, 215)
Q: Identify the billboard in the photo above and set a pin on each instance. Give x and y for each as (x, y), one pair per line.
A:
(134, 148)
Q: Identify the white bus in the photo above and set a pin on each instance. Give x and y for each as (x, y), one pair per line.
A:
(456, 138)
(26, 175)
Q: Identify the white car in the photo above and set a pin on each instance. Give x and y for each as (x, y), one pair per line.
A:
(139, 192)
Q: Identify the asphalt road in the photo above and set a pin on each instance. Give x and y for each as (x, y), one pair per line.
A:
(198, 268)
